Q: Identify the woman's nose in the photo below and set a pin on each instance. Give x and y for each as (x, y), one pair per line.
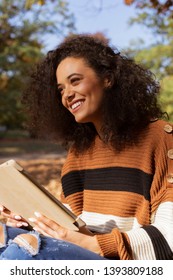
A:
(69, 95)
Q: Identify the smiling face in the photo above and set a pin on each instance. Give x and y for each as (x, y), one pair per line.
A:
(81, 90)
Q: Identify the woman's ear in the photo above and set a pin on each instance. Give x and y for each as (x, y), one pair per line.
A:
(107, 83)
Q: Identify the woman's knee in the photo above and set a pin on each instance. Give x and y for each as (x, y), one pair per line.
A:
(2, 236)
(28, 241)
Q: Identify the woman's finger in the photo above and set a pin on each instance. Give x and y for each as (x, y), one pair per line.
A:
(50, 223)
(41, 227)
(41, 231)
(4, 210)
(14, 223)
(12, 219)
(47, 227)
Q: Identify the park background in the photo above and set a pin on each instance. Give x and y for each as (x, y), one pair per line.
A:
(143, 30)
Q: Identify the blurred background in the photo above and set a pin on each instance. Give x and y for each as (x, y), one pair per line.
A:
(29, 28)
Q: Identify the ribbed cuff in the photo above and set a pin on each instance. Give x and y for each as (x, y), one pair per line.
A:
(108, 245)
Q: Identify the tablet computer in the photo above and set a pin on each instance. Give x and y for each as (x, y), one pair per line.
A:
(22, 194)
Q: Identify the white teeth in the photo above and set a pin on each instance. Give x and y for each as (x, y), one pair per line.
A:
(75, 105)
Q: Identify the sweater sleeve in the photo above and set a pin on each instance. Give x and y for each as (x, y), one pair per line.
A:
(154, 240)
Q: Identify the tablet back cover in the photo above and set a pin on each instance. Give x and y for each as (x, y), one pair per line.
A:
(22, 196)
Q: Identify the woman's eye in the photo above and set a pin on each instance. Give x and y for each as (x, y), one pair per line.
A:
(60, 90)
(75, 80)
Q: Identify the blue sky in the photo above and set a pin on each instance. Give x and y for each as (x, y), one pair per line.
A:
(110, 17)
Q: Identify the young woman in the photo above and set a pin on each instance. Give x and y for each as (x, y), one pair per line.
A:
(118, 176)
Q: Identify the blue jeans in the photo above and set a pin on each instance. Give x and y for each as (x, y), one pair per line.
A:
(48, 248)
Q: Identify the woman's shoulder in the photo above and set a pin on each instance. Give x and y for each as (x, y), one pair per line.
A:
(157, 134)
(161, 126)
(160, 133)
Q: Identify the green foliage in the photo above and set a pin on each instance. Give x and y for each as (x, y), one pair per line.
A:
(158, 57)
(159, 7)
(22, 42)
(166, 96)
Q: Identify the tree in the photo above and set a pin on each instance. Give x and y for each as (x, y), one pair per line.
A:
(22, 44)
(159, 55)
(165, 8)
(160, 7)
(166, 97)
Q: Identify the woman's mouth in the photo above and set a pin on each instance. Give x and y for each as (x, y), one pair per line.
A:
(76, 105)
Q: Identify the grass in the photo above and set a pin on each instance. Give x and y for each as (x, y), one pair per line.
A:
(14, 134)
(16, 143)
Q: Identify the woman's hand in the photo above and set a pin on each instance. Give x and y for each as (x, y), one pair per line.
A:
(50, 228)
(12, 219)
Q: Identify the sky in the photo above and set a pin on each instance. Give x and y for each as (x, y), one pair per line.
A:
(110, 17)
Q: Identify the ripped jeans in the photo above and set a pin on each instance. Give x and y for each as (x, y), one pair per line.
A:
(46, 248)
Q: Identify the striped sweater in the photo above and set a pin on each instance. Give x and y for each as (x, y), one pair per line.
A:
(126, 197)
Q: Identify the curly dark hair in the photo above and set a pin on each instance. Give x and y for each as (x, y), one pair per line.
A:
(129, 104)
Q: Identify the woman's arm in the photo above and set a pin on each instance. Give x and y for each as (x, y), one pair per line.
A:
(49, 228)
(153, 240)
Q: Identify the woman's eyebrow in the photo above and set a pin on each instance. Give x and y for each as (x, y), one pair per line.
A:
(71, 75)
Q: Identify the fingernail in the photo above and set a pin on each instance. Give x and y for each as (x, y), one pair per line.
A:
(37, 214)
(24, 224)
(19, 224)
(17, 217)
(1, 208)
(33, 220)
